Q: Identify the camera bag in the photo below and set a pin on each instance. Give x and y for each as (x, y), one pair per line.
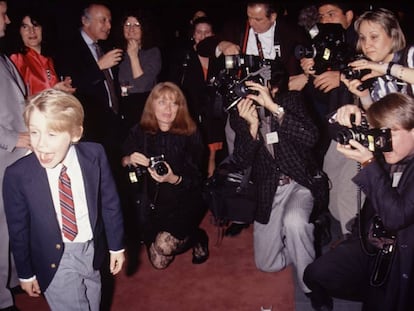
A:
(230, 195)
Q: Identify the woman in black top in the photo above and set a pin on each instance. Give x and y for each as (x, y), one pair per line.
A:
(192, 73)
(166, 129)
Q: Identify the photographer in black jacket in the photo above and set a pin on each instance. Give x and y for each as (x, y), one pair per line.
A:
(375, 265)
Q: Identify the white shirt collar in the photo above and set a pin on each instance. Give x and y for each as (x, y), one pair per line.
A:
(267, 41)
(67, 161)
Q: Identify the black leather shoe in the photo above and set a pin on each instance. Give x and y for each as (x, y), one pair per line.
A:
(320, 302)
(200, 249)
(235, 229)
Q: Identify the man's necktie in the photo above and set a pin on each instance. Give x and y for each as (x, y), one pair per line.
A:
(109, 81)
(259, 46)
(69, 227)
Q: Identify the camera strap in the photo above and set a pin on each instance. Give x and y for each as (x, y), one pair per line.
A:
(259, 46)
(245, 38)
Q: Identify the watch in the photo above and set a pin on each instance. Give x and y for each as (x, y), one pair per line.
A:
(279, 112)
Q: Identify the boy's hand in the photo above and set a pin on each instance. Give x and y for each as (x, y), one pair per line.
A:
(32, 288)
(116, 262)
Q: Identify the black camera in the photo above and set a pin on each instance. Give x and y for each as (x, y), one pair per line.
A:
(232, 88)
(242, 61)
(158, 163)
(237, 89)
(375, 139)
(328, 49)
(135, 173)
(378, 229)
(352, 74)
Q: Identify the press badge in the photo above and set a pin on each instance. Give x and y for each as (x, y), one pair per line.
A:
(272, 138)
(396, 179)
(278, 51)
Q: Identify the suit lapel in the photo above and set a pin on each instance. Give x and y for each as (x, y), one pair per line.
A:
(39, 187)
(90, 175)
(15, 75)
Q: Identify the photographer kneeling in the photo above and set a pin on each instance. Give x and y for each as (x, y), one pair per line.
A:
(375, 265)
(275, 136)
(165, 149)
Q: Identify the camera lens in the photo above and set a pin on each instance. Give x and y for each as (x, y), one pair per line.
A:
(241, 90)
(161, 168)
(343, 137)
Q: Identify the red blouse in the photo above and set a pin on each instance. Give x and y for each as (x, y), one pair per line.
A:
(37, 71)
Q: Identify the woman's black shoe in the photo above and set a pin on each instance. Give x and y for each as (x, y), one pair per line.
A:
(200, 249)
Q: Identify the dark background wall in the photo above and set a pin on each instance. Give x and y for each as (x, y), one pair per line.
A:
(170, 18)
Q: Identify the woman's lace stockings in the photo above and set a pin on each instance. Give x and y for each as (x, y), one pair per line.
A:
(164, 248)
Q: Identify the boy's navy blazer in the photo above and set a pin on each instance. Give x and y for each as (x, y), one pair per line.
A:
(35, 236)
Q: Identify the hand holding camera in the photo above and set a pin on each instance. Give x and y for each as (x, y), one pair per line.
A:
(159, 165)
(359, 75)
(161, 171)
(368, 68)
(356, 151)
(247, 111)
(356, 133)
(344, 113)
(259, 93)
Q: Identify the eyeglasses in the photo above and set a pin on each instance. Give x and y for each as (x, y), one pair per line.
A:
(132, 25)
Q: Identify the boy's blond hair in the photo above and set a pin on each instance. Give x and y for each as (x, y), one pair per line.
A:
(63, 111)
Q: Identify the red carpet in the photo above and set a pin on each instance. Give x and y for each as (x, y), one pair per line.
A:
(228, 281)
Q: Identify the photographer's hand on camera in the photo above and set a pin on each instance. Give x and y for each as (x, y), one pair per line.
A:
(356, 151)
(169, 177)
(349, 116)
(247, 111)
(353, 86)
(263, 98)
(307, 65)
(135, 159)
(344, 115)
(377, 69)
(227, 48)
(326, 81)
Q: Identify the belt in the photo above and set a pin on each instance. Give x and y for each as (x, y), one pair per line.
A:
(283, 180)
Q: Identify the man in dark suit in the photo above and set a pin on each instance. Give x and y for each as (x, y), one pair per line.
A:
(92, 74)
(14, 143)
(278, 37)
